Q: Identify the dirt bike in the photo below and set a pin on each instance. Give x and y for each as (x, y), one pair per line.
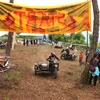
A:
(43, 67)
(69, 57)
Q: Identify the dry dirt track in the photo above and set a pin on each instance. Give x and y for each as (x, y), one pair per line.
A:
(20, 83)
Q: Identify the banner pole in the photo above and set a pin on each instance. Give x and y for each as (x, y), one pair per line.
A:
(87, 47)
(87, 37)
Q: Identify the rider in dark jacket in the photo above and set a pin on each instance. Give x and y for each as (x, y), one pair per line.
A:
(67, 51)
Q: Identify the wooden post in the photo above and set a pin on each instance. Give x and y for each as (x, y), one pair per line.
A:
(13, 41)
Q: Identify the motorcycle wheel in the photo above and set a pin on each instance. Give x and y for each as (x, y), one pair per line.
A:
(35, 72)
(62, 56)
(55, 74)
(73, 58)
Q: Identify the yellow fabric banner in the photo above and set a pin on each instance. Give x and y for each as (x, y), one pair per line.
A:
(46, 20)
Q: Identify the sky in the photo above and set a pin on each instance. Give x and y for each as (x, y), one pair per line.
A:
(49, 3)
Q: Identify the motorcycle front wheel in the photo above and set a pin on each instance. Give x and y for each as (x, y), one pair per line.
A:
(55, 74)
(62, 56)
(35, 72)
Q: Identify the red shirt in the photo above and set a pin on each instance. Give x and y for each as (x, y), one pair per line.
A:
(54, 56)
(81, 56)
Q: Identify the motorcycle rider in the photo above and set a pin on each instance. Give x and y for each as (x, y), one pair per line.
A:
(63, 50)
(52, 56)
(63, 53)
(67, 52)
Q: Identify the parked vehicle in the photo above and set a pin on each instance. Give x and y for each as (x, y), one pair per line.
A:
(4, 63)
(58, 45)
(42, 67)
(2, 45)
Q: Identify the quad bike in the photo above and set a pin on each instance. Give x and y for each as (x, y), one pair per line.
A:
(70, 57)
(43, 67)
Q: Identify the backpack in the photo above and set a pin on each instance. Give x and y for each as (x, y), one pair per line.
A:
(92, 68)
(92, 65)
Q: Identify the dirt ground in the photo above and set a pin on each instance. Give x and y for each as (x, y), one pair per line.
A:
(20, 82)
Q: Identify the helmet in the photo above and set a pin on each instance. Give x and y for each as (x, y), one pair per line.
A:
(53, 54)
(67, 48)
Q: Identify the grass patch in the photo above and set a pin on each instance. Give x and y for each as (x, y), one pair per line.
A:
(6, 98)
(13, 76)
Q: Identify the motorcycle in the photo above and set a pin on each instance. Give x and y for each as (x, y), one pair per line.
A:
(43, 67)
(69, 57)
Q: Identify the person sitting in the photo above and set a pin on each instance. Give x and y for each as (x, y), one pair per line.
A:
(52, 57)
(67, 52)
(63, 53)
(62, 50)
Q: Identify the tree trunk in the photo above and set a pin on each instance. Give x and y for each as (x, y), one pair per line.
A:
(9, 42)
(95, 29)
(85, 74)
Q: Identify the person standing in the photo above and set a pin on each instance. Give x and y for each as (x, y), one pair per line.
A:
(24, 41)
(81, 58)
(53, 43)
(31, 41)
(27, 42)
(87, 54)
(94, 75)
(34, 41)
(38, 42)
(99, 65)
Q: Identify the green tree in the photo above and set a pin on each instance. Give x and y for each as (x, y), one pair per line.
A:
(50, 36)
(67, 38)
(85, 74)
(90, 38)
(72, 38)
(77, 38)
(56, 37)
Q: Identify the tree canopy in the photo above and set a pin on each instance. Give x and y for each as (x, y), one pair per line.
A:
(72, 38)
